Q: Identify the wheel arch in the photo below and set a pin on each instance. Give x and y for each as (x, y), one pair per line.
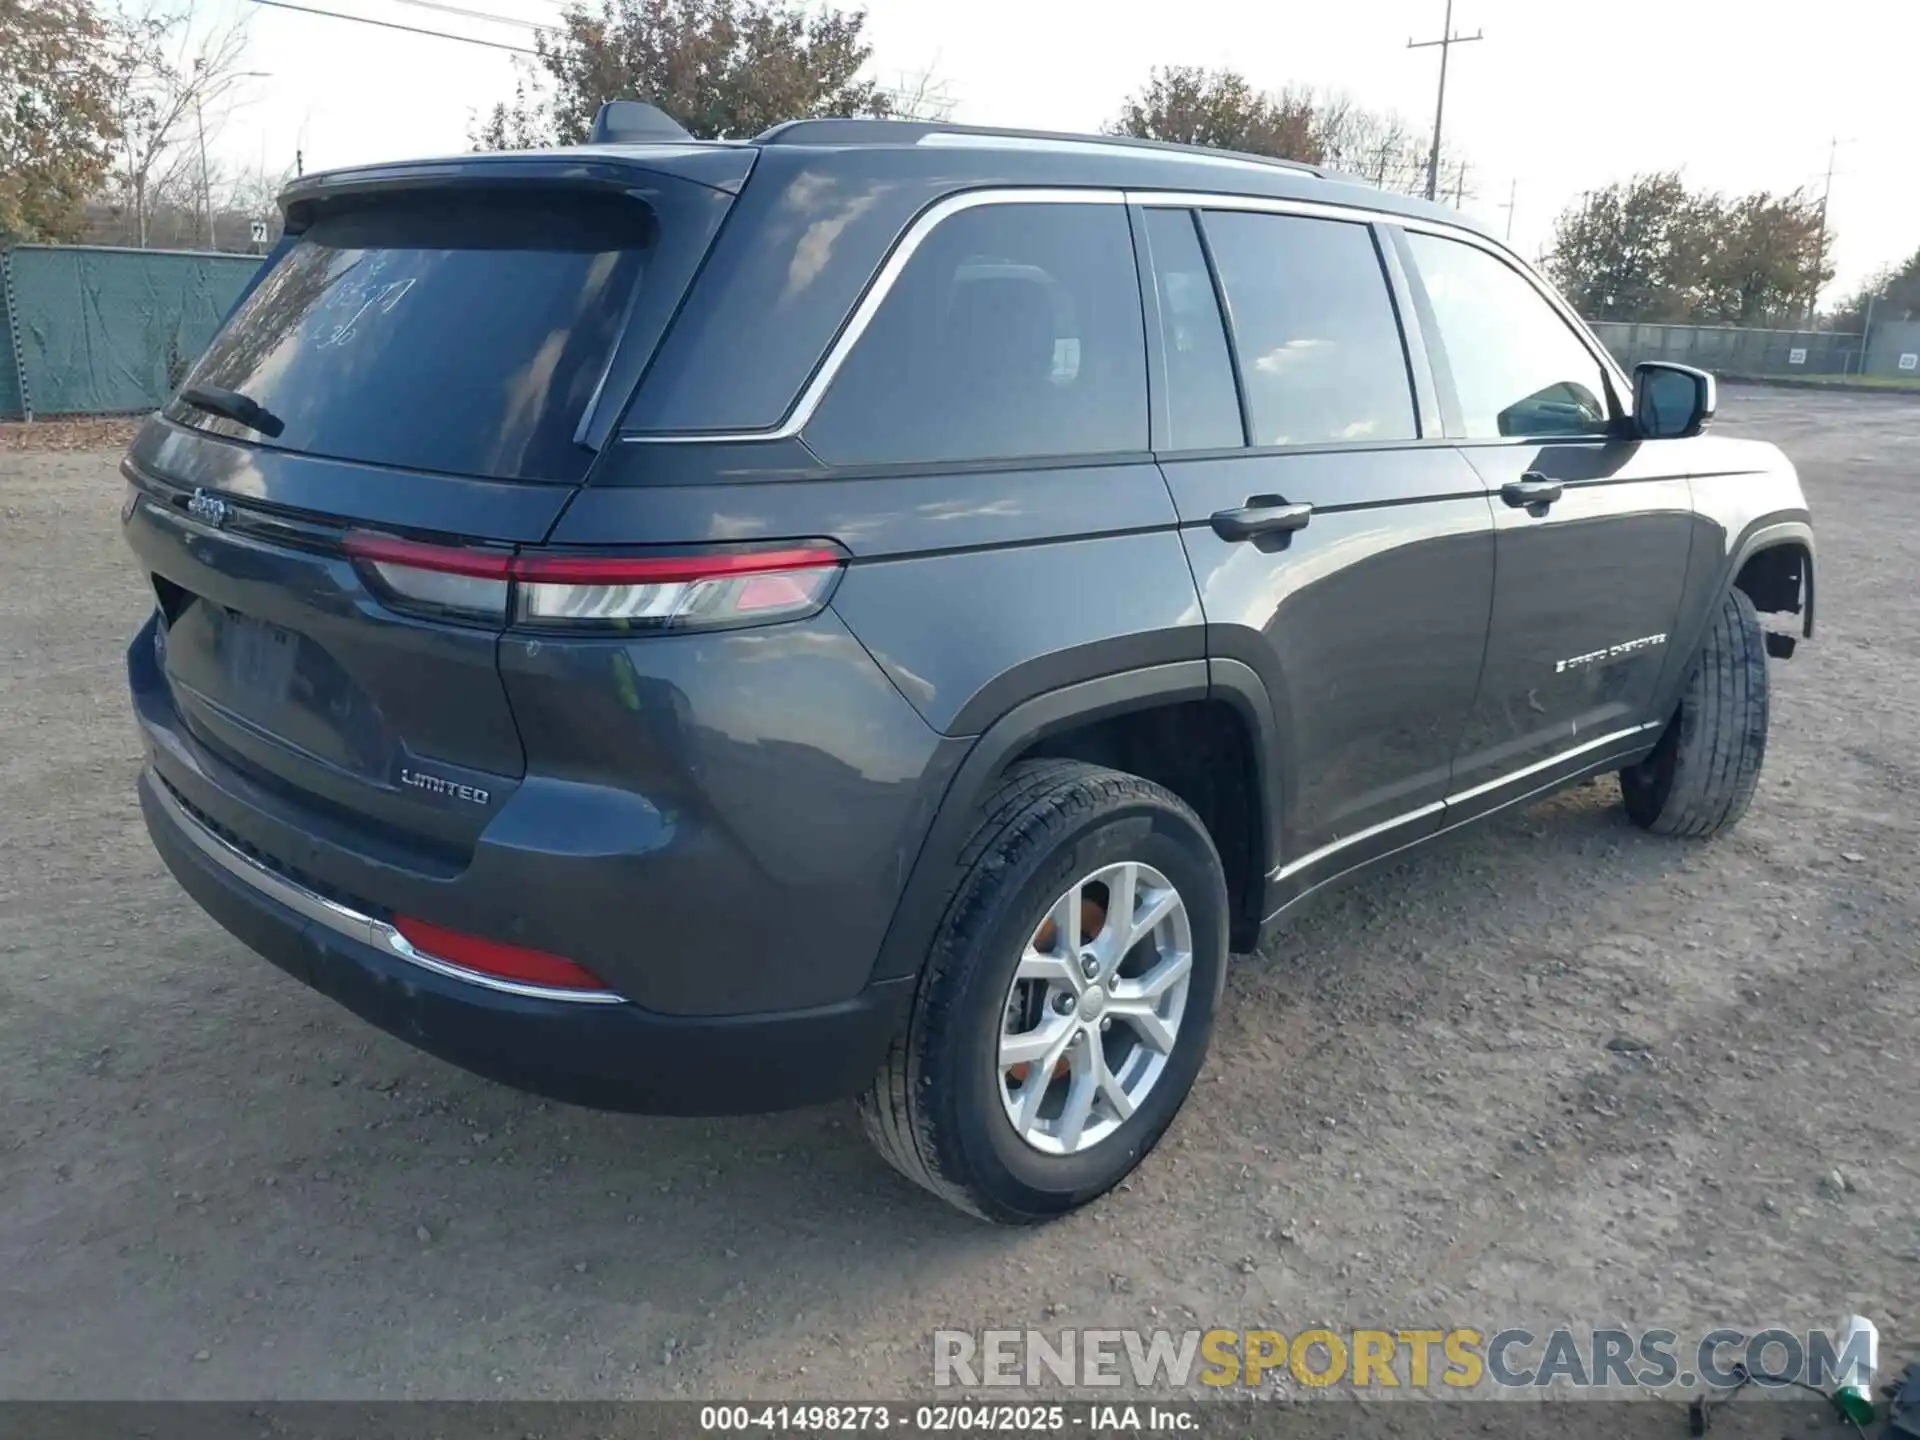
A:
(1049, 724)
(1784, 535)
(1774, 566)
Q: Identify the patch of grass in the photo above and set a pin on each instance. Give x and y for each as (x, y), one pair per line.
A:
(1830, 382)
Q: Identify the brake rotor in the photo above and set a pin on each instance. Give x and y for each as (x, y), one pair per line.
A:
(1093, 916)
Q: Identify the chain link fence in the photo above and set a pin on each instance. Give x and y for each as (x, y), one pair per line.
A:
(1733, 350)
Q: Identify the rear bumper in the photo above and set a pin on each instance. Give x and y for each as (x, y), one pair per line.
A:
(612, 1055)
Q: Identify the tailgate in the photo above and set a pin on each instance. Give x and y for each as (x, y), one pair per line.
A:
(425, 358)
(283, 660)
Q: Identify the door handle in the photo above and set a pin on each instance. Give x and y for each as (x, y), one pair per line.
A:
(1532, 491)
(1261, 515)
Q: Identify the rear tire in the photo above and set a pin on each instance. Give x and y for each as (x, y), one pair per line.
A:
(946, 1108)
(1701, 776)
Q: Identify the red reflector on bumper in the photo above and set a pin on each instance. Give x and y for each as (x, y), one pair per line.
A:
(491, 957)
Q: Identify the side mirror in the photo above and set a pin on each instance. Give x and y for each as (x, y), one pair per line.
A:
(1672, 402)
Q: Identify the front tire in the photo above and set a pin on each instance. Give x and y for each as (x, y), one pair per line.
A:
(1008, 1096)
(1700, 778)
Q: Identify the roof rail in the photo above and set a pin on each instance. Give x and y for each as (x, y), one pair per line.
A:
(918, 132)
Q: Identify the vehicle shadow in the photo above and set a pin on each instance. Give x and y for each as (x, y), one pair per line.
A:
(792, 1220)
(392, 1225)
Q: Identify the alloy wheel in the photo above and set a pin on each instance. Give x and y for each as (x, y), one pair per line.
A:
(1094, 1008)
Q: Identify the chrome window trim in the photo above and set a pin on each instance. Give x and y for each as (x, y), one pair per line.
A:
(876, 295)
(1315, 209)
(344, 920)
(1293, 867)
(929, 219)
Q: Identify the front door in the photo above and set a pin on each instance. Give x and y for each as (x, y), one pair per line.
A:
(1591, 529)
(1343, 549)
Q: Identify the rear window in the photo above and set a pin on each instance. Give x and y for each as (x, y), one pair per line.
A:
(464, 335)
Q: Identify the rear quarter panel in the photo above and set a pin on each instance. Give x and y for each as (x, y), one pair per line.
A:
(819, 752)
(973, 590)
(718, 823)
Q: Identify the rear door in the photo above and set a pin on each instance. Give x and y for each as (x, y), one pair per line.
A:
(415, 368)
(1592, 528)
(1364, 609)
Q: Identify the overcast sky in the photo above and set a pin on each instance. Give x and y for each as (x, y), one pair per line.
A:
(1559, 98)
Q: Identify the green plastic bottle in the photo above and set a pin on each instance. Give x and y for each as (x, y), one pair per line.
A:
(1853, 1386)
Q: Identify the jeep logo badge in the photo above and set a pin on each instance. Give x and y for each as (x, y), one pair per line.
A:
(208, 509)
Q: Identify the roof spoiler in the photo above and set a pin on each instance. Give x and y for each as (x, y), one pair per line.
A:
(634, 122)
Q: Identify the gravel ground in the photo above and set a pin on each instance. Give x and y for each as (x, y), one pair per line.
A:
(213, 1183)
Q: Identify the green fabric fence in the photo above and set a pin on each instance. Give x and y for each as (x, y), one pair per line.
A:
(10, 407)
(87, 330)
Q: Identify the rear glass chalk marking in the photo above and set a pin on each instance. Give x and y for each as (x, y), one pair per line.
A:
(385, 296)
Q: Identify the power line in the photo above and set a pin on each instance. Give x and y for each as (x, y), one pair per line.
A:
(394, 25)
(477, 14)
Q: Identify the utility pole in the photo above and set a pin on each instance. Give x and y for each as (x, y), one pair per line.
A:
(206, 184)
(1448, 39)
(1820, 257)
(1513, 199)
(1460, 187)
(217, 87)
(200, 128)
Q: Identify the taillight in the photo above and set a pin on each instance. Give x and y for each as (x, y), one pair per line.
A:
(597, 592)
(674, 592)
(439, 579)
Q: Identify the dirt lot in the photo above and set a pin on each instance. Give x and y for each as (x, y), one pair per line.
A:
(214, 1183)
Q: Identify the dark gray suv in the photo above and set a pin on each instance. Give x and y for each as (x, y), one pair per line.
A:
(884, 609)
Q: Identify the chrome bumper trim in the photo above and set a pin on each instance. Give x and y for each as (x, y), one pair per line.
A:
(343, 920)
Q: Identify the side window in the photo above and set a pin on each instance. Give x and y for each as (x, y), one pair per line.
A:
(1313, 322)
(1014, 331)
(1517, 367)
(1203, 406)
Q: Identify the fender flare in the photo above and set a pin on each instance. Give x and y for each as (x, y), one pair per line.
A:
(1767, 532)
(923, 900)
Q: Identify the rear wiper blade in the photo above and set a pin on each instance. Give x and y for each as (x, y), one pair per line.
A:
(232, 405)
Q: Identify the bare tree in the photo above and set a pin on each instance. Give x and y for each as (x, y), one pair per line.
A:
(1893, 292)
(168, 74)
(521, 123)
(1382, 147)
(252, 197)
(921, 95)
